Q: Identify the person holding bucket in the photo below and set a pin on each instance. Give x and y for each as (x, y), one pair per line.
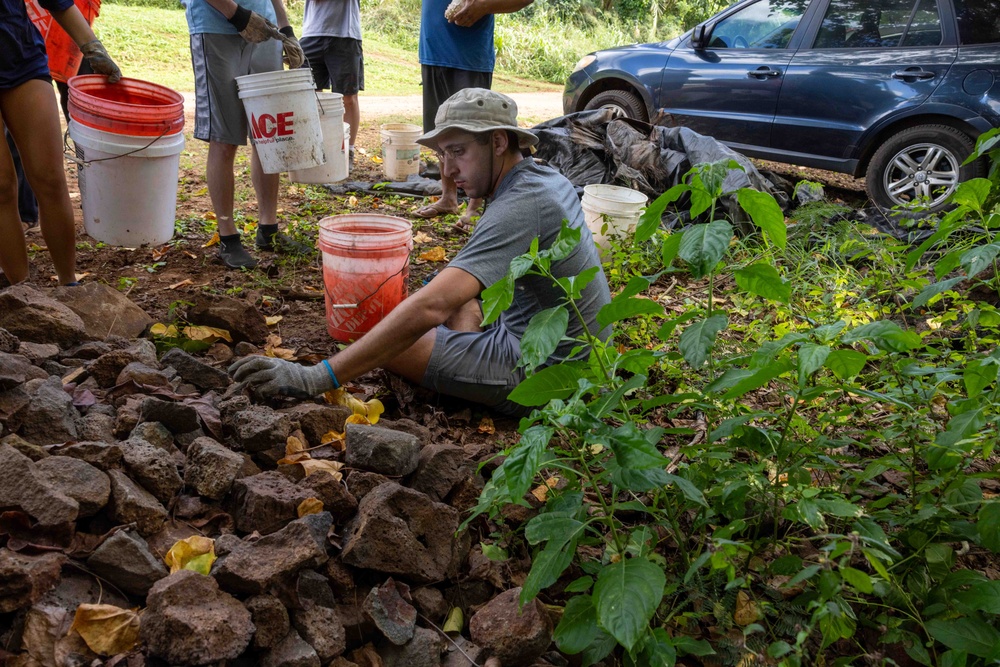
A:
(435, 337)
(28, 111)
(456, 51)
(230, 40)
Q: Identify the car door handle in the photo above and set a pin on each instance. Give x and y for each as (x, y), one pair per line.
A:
(913, 73)
(764, 72)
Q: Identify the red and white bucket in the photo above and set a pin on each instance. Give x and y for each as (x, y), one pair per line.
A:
(284, 119)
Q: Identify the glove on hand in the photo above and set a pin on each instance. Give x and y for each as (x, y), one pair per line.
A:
(253, 27)
(99, 61)
(293, 54)
(272, 377)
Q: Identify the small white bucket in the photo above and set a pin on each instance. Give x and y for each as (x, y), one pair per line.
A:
(128, 200)
(331, 120)
(284, 119)
(400, 150)
(611, 210)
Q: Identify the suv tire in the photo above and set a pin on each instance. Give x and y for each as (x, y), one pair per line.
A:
(626, 100)
(921, 161)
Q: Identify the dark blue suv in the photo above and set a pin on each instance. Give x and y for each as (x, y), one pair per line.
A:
(895, 89)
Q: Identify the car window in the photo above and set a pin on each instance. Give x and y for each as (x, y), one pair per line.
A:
(978, 21)
(767, 24)
(877, 24)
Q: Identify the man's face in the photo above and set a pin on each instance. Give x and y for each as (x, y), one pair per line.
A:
(467, 161)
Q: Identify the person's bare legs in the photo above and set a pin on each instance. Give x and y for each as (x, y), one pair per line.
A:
(266, 188)
(32, 117)
(412, 364)
(352, 116)
(222, 184)
(448, 203)
(473, 209)
(13, 254)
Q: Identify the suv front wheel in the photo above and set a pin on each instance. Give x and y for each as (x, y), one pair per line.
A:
(625, 100)
(923, 162)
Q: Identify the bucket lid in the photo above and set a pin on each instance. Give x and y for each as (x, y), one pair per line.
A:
(130, 107)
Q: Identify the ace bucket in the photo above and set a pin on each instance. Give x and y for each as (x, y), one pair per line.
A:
(335, 136)
(366, 270)
(284, 119)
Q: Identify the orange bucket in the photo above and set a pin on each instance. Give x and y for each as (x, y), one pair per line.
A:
(130, 107)
(366, 270)
(64, 55)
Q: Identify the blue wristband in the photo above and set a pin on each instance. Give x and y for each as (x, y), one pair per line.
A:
(336, 384)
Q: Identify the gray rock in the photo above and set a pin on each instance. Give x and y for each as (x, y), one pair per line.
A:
(104, 310)
(177, 417)
(16, 369)
(102, 455)
(157, 435)
(270, 618)
(393, 615)
(25, 487)
(441, 467)
(24, 579)
(8, 342)
(96, 426)
(37, 353)
(431, 603)
(32, 316)
(322, 629)
(108, 367)
(78, 480)
(189, 621)
(253, 567)
(318, 420)
(337, 500)
(381, 450)
(312, 589)
(33, 452)
(242, 320)
(152, 468)
(130, 503)
(517, 636)
(141, 374)
(50, 417)
(402, 532)
(125, 560)
(362, 482)
(196, 372)
(261, 428)
(12, 402)
(265, 502)
(421, 432)
(458, 654)
(292, 651)
(424, 650)
(211, 468)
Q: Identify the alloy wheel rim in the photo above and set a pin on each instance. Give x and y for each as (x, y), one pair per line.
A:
(926, 171)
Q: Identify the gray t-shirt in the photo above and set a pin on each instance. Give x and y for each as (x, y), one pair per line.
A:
(532, 201)
(332, 18)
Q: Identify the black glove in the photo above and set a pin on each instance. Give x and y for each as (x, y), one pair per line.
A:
(293, 54)
(253, 27)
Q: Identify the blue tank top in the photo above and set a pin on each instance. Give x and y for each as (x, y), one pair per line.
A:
(445, 44)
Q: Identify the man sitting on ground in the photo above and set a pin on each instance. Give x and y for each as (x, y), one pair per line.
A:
(435, 338)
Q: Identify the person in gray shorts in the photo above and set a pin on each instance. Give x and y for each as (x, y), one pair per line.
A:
(230, 40)
(435, 337)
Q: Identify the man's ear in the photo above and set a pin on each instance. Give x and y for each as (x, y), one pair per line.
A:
(499, 142)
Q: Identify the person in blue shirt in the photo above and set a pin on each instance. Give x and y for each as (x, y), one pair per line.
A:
(29, 112)
(456, 52)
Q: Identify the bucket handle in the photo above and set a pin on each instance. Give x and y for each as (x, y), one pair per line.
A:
(345, 306)
(86, 163)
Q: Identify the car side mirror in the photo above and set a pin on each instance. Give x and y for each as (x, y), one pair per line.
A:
(699, 37)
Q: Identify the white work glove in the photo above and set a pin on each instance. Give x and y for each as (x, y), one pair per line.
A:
(269, 376)
(100, 62)
(293, 54)
(253, 27)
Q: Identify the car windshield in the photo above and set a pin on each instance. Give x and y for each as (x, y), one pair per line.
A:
(767, 24)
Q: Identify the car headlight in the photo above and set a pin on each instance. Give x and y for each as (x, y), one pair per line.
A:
(584, 61)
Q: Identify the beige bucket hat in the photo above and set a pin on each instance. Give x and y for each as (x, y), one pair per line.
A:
(477, 110)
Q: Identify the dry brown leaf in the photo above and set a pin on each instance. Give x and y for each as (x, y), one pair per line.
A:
(421, 237)
(271, 320)
(352, 201)
(486, 426)
(541, 491)
(333, 467)
(435, 254)
(746, 611)
(182, 283)
(207, 334)
(310, 506)
(108, 630)
(293, 446)
(158, 253)
(212, 241)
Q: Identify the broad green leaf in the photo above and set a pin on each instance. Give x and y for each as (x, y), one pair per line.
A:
(578, 626)
(609, 401)
(546, 568)
(574, 285)
(581, 585)
(671, 246)
(626, 595)
(984, 596)
(551, 526)
(632, 449)
(948, 263)
(837, 507)
(845, 364)
(690, 646)
(758, 379)
(989, 526)
(970, 634)
(837, 623)
(697, 339)
(558, 381)
(764, 280)
(811, 359)
(977, 259)
(542, 336)
(621, 309)
(886, 335)
(954, 659)
(978, 375)
(961, 426)
(972, 193)
(658, 651)
(690, 491)
(932, 290)
(599, 649)
(497, 298)
(521, 465)
(860, 580)
(649, 221)
(827, 332)
(703, 246)
(568, 239)
(765, 213)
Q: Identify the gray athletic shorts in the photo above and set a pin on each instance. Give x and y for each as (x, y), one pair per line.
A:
(217, 61)
(479, 367)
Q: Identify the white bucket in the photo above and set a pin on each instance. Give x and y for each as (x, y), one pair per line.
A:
(400, 150)
(611, 210)
(284, 119)
(335, 135)
(128, 200)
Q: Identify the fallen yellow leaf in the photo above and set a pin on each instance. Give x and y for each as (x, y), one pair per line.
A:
(182, 283)
(160, 329)
(201, 192)
(272, 320)
(210, 215)
(376, 159)
(541, 491)
(312, 466)
(455, 620)
(107, 629)
(195, 553)
(212, 241)
(352, 201)
(207, 334)
(746, 611)
(435, 254)
(371, 410)
(486, 426)
(420, 237)
(293, 446)
(310, 506)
